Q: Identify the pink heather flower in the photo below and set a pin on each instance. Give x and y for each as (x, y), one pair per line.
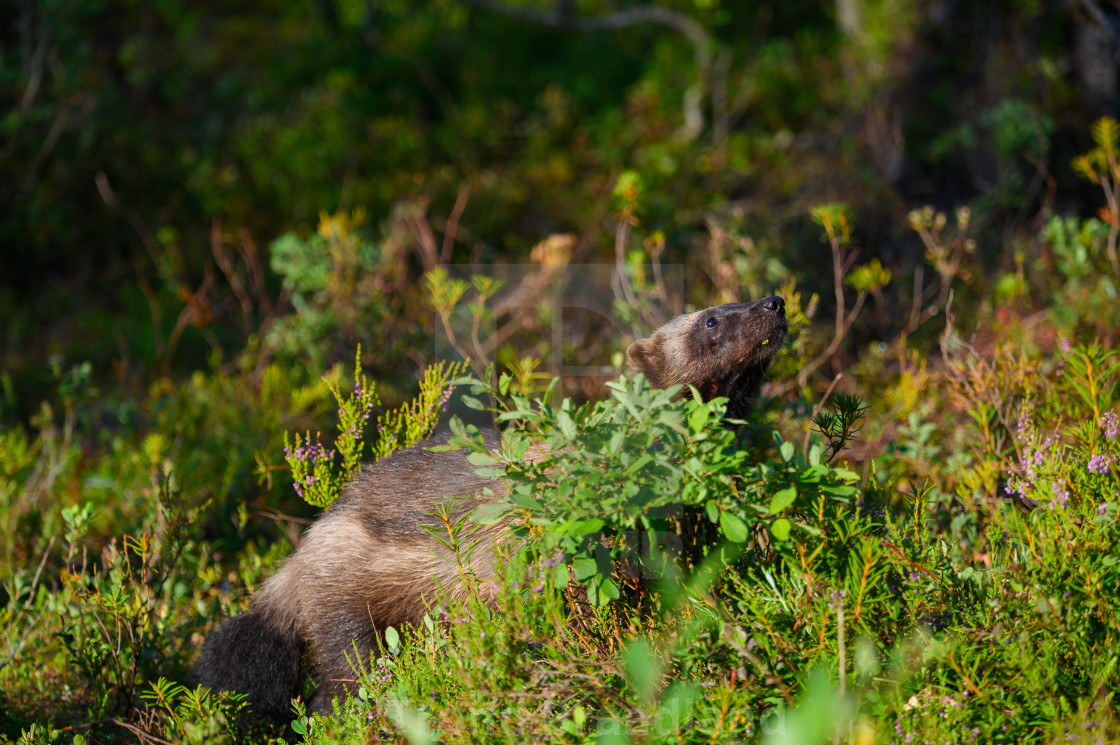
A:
(1061, 495)
(1100, 463)
(1110, 423)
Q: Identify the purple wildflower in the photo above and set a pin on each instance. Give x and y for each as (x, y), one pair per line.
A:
(1100, 463)
(1061, 496)
(1110, 423)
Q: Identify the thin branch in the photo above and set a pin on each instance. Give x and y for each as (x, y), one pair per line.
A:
(620, 280)
(452, 228)
(191, 312)
(817, 410)
(224, 258)
(35, 77)
(683, 24)
(144, 735)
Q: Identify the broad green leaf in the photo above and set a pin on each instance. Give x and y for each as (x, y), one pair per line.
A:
(839, 490)
(584, 567)
(782, 499)
(780, 529)
(733, 527)
(489, 513)
(672, 419)
(642, 669)
(639, 463)
(526, 501)
(566, 425)
(608, 590)
(698, 419)
(518, 415)
(482, 459)
(392, 638)
(815, 454)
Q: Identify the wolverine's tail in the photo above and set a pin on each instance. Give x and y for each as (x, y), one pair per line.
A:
(257, 653)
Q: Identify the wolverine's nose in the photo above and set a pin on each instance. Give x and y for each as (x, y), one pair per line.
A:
(774, 304)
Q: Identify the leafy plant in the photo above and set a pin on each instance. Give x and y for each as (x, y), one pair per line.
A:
(1100, 166)
(333, 281)
(315, 475)
(632, 481)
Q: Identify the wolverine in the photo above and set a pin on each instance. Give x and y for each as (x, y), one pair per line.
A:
(367, 563)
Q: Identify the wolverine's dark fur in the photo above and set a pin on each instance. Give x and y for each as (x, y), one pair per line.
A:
(723, 351)
(366, 564)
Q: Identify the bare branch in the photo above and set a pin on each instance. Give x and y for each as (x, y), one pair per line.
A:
(683, 24)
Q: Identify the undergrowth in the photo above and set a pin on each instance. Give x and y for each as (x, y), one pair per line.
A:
(914, 539)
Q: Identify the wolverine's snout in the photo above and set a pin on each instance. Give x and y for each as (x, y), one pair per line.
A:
(774, 304)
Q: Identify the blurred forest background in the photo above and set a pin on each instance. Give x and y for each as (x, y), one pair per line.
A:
(206, 206)
(157, 154)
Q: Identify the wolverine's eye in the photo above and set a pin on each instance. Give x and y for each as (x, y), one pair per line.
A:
(711, 322)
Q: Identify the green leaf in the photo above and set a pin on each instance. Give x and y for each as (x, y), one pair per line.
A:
(579, 528)
(815, 454)
(639, 463)
(642, 669)
(482, 459)
(489, 513)
(839, 490)
(733, 527)
(392, 638)
(780, 529)
(713, 510)
(698, 419)
(560, 576)
(782, 499)
(566, 425)
(608, 590)
(786, 451)
(673, 420)
(472, 403)
(584, 567)
(678, 704)
(526, 501)
(813, 474)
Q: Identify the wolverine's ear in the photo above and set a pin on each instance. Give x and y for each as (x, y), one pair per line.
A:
(646, 357)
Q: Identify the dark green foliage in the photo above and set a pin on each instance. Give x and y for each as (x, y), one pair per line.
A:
(206, 207)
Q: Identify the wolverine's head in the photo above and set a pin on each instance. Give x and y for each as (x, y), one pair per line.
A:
(722, 351)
